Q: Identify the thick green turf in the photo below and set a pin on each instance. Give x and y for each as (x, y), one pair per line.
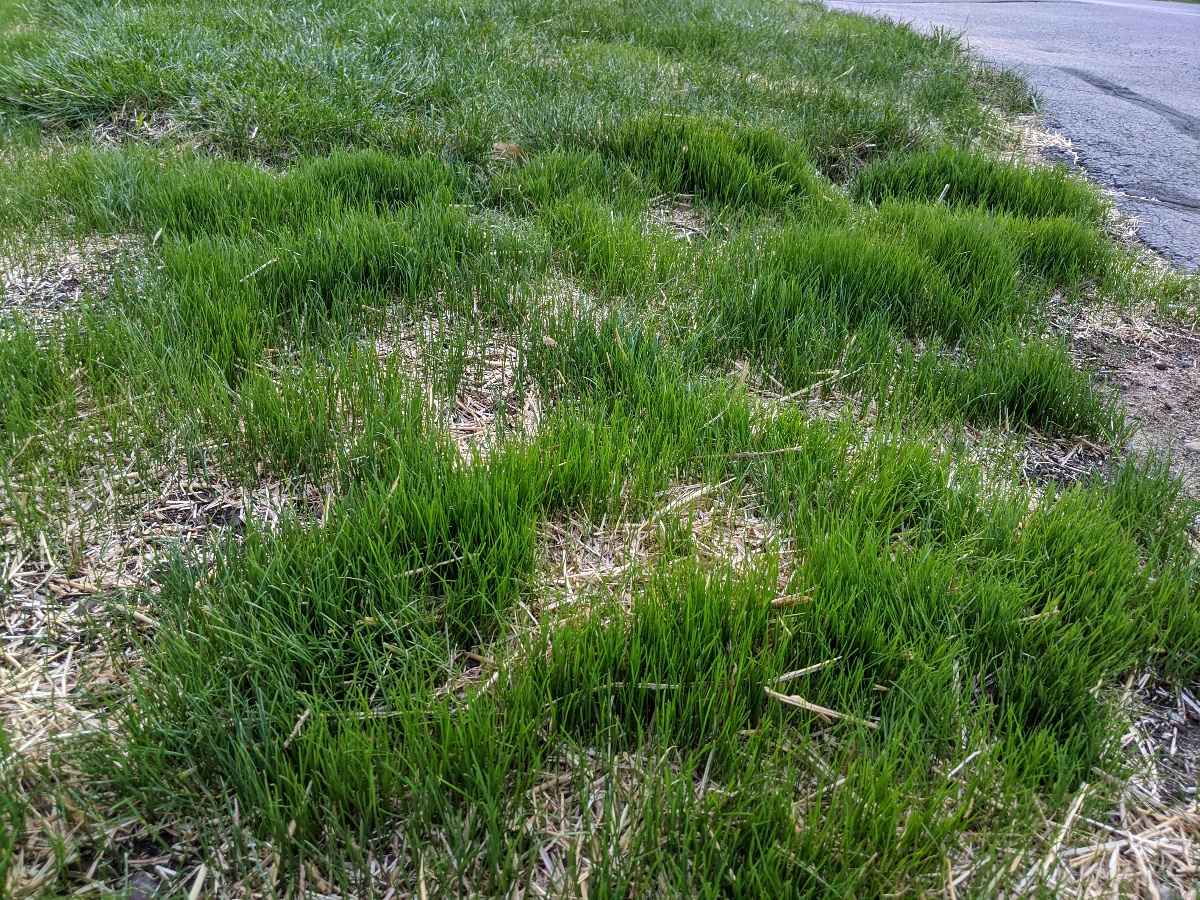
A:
(267, 80)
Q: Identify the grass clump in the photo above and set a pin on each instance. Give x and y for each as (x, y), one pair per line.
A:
(352, 620)
(851, 278)
(754, 167)
(969, 178)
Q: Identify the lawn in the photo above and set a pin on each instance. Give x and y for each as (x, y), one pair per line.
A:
(577, 449)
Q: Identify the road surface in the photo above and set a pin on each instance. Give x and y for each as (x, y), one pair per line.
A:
(1119, 78)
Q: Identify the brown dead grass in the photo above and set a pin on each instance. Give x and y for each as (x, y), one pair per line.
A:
(489, 399)
(137, 125)
(679, 215)
(582, 560)
(1148, 845)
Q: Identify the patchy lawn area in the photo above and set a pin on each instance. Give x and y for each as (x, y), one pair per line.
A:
(599, 449)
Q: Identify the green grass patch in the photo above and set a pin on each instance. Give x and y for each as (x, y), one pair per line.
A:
(969, 178)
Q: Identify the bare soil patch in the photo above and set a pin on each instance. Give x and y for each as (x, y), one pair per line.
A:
(44, 282)
(1153, 366)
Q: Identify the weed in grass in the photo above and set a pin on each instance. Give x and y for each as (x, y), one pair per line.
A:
(850, 278)
(195, 196)
(545, 180)
(354, 621)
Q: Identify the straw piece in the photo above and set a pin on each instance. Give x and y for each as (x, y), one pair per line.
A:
(801, 703)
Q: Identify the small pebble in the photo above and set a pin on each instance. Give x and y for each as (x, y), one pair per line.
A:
(1192, 445)
(144, 886)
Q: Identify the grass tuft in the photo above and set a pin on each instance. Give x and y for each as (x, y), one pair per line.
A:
(969, 178)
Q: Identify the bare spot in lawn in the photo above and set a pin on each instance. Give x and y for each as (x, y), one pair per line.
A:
(44, 282)
(715, 522)
(1154, 367)
(1147, 843)
(679, 215)
(488, 399)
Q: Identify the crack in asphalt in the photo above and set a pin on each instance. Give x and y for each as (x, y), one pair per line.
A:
(1156, 193)
(1181, 121)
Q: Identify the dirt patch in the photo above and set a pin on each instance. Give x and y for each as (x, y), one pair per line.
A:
(489, 399)
(1154, 368)
(489, 402)
(120, 528)
(584, 810)
(1152, 365)
(1064, 461)
(1143, 841)
(46, 281)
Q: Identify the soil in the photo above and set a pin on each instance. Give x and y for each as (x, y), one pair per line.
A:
(1155, 368)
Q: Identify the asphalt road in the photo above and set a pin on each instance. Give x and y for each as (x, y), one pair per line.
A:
(1119, 78)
